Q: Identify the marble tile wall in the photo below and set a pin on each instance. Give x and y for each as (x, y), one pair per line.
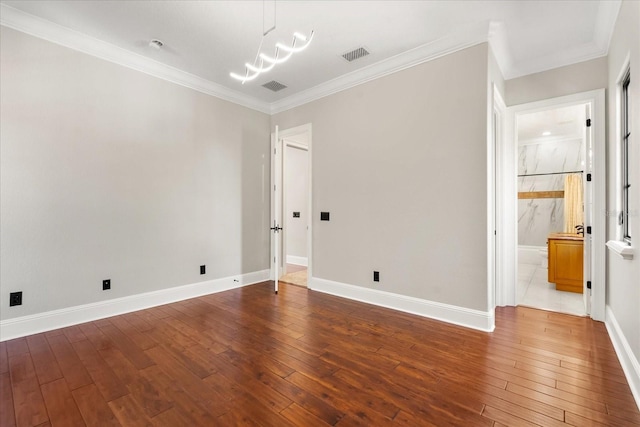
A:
(539, 217)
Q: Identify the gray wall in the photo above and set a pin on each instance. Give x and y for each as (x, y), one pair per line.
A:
(297, 199)
(107, 172)
(400, 163)
(576, 78)
(623, 276)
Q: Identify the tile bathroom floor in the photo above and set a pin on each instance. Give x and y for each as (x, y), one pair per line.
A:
(534, 291)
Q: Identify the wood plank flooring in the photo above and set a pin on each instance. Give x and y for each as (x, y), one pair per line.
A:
(303, 358)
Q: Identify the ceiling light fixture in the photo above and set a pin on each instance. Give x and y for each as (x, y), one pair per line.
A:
(546, 133)
(263, 63)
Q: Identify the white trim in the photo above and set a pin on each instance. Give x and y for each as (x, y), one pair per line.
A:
(476, 34)
(297, 260)
(42, 322)
(469, 318)
(621, 249)
(47, 30)
(628, 360)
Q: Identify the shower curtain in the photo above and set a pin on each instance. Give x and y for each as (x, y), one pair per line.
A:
(573, 202)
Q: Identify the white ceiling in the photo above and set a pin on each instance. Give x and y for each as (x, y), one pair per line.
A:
(561, 124)
(209, 39)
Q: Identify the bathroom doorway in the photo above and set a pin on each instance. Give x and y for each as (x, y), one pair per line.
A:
(595, 201)
(552, 173)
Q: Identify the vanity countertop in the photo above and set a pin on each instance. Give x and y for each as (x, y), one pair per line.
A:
(566, 236)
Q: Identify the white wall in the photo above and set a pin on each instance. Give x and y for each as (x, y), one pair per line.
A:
(623, 276)
(297, 200)
(575, 78)
(539, 217)
(400, 164)
(107, 172)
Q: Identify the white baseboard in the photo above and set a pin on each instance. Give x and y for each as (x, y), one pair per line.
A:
(475, 319)
(629, 362)
(42, 322)
(297, 260)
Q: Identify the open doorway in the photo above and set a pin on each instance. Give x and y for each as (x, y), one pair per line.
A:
(295, 199)
(594, 177)
(552, 151)
(291, 206)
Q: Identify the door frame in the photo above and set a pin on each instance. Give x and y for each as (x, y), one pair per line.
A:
(508, 197)
(305, 129)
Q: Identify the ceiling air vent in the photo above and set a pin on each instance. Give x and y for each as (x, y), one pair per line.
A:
(355, 54)
(274, 86)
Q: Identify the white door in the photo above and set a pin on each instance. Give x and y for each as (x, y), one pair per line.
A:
(276, 208)
(588, 209)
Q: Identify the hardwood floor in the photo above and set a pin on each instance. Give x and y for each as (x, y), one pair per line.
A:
(303, 358)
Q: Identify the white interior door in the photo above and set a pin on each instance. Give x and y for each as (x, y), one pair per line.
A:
(588, 210)
(276, 208)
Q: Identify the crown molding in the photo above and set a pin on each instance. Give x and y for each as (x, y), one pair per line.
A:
(597, 48)
(471, 36)
(47, 30)
(492, 32)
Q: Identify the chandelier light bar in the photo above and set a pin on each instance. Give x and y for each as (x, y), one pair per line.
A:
(252, 71)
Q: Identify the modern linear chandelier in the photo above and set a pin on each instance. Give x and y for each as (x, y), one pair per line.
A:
(262, 62)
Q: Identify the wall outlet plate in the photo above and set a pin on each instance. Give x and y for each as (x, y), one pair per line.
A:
(15, 298)
(203, 269)
(324, 216)
(106, 284)
(376, 276)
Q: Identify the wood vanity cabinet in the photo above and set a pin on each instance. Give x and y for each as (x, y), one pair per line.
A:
(566, 261)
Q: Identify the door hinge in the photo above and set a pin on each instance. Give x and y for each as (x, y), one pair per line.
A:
(589, 177)
(588, 229)
(588, 122)
(588, 284)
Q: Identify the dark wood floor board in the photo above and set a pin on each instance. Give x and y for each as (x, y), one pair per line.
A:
(96, 336)
(598, 369)
(128, 347)
(610, 388)
(16, 347)
(108, 383)
(4, 358)
(597, 394)
(533, 388)
(301, 417)
(61, 406)
(249, 357)
(188, 381)
(506, 418)
(7, 413)
(95, 411)
(418, 396)
(595, 412)
(203, 412)
(72, 368)
(74, 333)
(580, 374)
(339, 400)
(142, 340)
(44, 361)
(129, 413)
(235, 371)
(28, 403)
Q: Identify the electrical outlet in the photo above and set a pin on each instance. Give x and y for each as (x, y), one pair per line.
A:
(203, 269)
(376, 276)
(15, 298)
(106, 284)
